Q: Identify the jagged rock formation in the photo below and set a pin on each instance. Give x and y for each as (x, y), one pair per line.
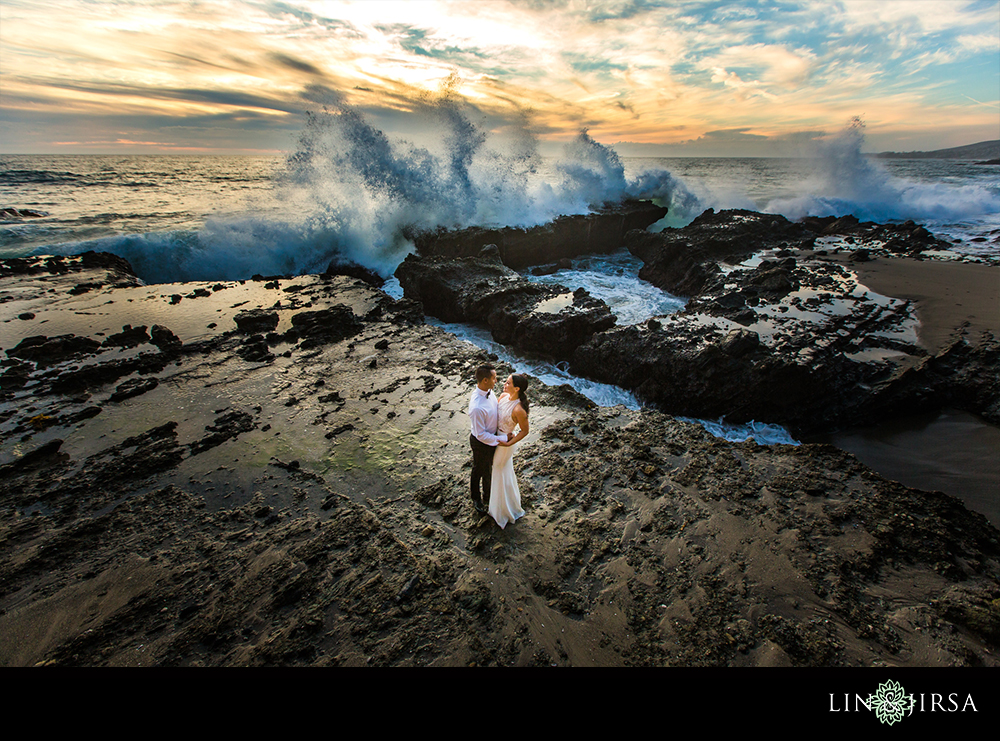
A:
(549, 319)
(794, 340)
(565, 237)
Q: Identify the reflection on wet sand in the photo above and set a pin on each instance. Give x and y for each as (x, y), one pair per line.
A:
(950, 451)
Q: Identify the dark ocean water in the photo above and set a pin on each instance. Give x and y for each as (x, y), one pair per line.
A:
(212, 218)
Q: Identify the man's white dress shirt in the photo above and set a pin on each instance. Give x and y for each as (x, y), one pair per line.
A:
(483, 413)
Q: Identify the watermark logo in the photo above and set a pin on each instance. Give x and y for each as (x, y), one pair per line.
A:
(891, 702)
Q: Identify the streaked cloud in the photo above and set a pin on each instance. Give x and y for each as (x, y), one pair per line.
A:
(239, 75)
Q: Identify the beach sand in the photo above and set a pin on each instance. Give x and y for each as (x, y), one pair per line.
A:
(948, 295)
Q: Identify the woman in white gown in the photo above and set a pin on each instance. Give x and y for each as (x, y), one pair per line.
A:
(512, 413)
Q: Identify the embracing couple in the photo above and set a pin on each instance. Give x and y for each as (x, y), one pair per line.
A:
(493, 423)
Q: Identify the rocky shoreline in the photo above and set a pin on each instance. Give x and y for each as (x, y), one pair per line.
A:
(778, 327)
(274, 472)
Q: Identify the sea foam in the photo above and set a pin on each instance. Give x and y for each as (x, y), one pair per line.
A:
(846, 181)
(352, 192)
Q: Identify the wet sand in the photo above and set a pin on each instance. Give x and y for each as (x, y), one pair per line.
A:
(950, 451)
(948, 294)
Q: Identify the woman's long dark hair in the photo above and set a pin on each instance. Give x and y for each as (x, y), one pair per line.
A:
(521, 384)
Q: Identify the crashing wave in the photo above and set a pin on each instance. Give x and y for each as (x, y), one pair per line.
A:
(351, 191)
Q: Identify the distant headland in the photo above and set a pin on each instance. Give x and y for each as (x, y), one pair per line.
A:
(988, 150)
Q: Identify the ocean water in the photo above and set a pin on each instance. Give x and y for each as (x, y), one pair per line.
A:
(349, 191)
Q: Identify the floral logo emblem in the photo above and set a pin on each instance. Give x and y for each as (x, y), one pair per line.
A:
(890, 702)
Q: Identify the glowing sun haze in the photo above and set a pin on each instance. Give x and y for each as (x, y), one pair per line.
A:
(672, 77)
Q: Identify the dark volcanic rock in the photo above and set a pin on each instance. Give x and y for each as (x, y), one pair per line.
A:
(898, 238)
(117, 269)
(114, 264)
(692, 364)
(256, 320)
(833, 355)
(963, 375)
(100, 374)
(41, 457)
(397, 311)
(821, 370)
(675, 267)
(555, 325)
(164, 339)
(451, 289)
(772, 279)
(565, 237)
(255, 349)
(22, 266)
(555, 267)
(325, 326)
(683, 261)
(51, 350)
(225, 427)
(828, 225)
(707, 374)
(14, 376)
(353, 270)
(80, 288)
(549, 319)
(11, 212)
(134, 387)
(129, 337)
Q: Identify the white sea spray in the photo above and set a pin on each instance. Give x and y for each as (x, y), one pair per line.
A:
(846, 181)
(349, 191)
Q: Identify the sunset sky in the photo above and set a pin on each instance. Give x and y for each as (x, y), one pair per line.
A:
(701, 78)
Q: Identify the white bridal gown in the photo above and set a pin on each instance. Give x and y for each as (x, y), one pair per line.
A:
(505, 497)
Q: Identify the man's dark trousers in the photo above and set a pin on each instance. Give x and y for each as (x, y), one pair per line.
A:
(482, 470)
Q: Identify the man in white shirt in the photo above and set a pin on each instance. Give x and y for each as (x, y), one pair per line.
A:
(484, 440)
